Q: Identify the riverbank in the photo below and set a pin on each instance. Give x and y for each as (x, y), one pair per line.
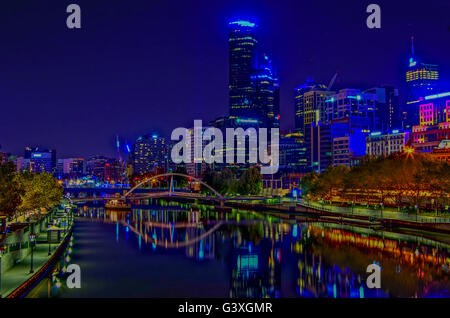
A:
(24, 263)
(353, 216)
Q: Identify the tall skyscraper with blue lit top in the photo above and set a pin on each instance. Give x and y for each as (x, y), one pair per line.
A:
(242, 63)
(254, 96)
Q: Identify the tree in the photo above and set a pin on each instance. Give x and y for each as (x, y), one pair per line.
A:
(250, 182)
(10, 190)
(39, 191)
(223, 181)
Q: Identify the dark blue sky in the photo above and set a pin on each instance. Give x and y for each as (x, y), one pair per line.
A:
(141, 66)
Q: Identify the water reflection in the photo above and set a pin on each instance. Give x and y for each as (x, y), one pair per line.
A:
(265, 256)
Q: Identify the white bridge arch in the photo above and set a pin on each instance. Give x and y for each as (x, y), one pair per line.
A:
(172, 174)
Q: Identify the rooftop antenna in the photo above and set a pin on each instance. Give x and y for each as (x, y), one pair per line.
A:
(118, 148)
(412, 45)
(332, 81)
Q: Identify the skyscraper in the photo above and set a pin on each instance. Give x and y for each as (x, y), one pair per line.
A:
(421, 80)
(387, 112)
(41, 160)
(266, 92)
(148, 153)
(354, 105)
(242, 63)
(309, 103)
(254, 90)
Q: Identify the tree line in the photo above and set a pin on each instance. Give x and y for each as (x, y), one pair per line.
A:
(226, 182)
(25, 191)
(400, 179)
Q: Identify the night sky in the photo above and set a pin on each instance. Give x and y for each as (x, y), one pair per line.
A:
(144, 66)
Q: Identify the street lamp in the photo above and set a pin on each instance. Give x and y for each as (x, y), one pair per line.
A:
(49, 234)
(353, 202)
(32, 238)
(416, 208)
(2, 250)
(381, 209)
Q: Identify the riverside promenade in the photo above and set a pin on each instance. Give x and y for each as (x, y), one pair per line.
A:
(24, 262)
(356, 215)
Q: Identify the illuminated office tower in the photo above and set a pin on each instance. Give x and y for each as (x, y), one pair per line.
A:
(387, 113)
(352, 104)
(95, 166)
(41, 160)
(292, 152)
(309, 103)
(148, 154)
(73, 167)
(197, 166)
(266, 94)
(113, 171)
(242, 63)
(421, 80)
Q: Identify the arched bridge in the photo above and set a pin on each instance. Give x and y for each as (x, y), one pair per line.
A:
(171, 191)
(132, 194)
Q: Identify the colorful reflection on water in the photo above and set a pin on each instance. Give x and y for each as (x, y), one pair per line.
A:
(200, 252)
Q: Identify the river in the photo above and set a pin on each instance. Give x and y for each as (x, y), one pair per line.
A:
(170, 249)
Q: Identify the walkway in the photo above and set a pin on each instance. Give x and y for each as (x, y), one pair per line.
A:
(20, 273)
(14, 277)
(376, 214)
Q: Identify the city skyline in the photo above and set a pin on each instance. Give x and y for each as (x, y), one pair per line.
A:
(200, 151)
(86, 64)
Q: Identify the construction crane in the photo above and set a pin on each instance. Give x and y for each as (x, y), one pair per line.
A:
(332, 81)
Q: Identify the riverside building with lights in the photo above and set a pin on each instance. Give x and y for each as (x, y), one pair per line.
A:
(384, 144)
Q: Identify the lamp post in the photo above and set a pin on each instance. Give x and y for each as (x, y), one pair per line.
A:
(353, 202)
(417, 212)
(32, 238)
(65, 222)
(2, 250)
(381, 209)
(49, 234)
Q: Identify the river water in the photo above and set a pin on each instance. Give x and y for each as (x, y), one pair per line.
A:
(169, 249)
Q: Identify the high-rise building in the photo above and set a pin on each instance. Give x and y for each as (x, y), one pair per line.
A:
(292, 155)
(95, 166)
(421, 80)
(266, 94)
(197, 167)
(41, 160)
(113, 171)
(387, 112)
(148, 154)
(319, 150)
(309, 101)
(254, 90)
(71, 167)
(242, 64)
(353, 104)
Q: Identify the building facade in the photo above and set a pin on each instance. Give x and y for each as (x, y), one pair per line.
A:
(384, 144)
(41, 160)
(309, 102)
(349, 103)
(149, 153)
